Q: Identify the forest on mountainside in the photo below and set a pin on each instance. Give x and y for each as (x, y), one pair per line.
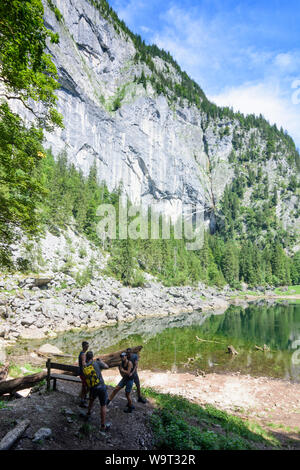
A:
(39, 192)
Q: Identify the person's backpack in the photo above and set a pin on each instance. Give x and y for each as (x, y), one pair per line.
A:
(91, 376)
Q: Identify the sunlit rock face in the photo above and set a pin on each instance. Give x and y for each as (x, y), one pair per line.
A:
(163, 154)
(155, 151)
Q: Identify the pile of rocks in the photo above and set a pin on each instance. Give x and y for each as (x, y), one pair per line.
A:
(35, 307)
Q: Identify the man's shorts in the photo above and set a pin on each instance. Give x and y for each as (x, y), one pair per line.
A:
(99, 392)
(128, 383)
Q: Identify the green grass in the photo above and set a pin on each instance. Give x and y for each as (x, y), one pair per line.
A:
(181, 425)
(283, 427)
(248, 292)
(16, 371)
(11, 292)
(3, 405)
(277, 291)
(294, 289)
(86, 430)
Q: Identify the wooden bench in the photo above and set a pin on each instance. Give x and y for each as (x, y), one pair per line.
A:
(72, 376)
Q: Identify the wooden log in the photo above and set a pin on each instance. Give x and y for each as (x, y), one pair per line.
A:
(13, 385)
(265, 348)
(113, 359)
(12, 436)
(207, 340)
(232, 350)
(4, 371)
(43, 354)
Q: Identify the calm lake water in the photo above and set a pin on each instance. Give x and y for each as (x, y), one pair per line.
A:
(170, 343)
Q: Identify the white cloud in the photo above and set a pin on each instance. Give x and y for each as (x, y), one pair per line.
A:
(209, 49)
(216, 51)
(211, 53)
(287, 62)
(145, 29)
(283, 60)
(264, 98)
(128, 11)
(190, 38)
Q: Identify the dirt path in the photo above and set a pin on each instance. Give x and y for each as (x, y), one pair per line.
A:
(60, 412)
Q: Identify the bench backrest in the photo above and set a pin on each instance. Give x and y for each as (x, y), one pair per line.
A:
(65, 367)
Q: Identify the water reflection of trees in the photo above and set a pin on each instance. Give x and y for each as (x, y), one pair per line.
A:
(275, 325)
(169, 342)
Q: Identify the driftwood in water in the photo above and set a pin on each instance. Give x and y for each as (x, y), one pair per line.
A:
(207, 340)
(190, 360)
(12, 436)
(113, 359)
(4, 371)
(265, 348)
(13, 385)
(232, 350)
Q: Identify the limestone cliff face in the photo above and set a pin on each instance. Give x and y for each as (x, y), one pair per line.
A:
(165, 155)
(158, 153)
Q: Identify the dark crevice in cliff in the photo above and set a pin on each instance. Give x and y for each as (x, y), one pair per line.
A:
(210, 210)
(92, 151)
(104, 47)
(67, 83)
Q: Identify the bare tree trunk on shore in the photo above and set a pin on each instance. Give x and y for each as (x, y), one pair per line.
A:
(113, 359)
(12, 436)
(13, 385)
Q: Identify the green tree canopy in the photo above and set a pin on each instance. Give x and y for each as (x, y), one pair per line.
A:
(27, 74)
(26, 70)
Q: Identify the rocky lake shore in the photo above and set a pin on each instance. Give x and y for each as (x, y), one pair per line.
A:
(38, 307)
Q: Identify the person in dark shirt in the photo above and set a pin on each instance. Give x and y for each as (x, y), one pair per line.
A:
(99, 390)
(81, 363)
(133, 357)
(125, 369)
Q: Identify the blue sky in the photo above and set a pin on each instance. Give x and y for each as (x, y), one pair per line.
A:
(244, 54)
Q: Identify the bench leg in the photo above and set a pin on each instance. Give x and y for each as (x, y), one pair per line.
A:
(54, 384)
(48, 374)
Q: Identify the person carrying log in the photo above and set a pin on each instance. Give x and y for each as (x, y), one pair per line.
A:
(81, 363)
(96, 386)
(133, 357)
(126, 371)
